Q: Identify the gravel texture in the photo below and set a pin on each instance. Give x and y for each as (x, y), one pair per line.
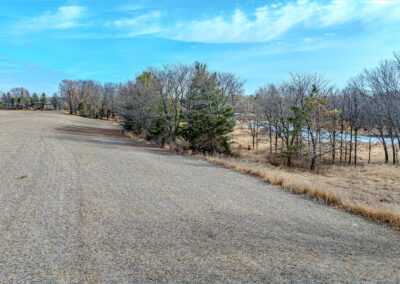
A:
(79, 203)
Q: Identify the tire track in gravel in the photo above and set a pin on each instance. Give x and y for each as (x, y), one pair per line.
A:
(15, 218)
(65, 185)
(43, 218)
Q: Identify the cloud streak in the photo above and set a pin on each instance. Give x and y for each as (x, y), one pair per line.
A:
(271, 21)
(65, 17)
(141, 24)
(135, 21)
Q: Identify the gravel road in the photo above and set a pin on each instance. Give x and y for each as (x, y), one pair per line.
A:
(79, 203)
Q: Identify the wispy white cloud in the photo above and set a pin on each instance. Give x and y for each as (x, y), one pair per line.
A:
(142, 24)
(135, 21)
(131, 7)
(64, 17)
(339, 12)
(270, 21)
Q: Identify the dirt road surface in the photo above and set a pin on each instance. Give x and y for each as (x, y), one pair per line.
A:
(80, 203)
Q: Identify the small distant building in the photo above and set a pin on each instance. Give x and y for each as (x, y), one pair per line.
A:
(38, 106)
(48, 107)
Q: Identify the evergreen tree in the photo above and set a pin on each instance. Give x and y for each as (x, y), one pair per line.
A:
(10, 100)
(43, 98)
(55, 100)
(34, 99)
(208, 117)
(4, 100)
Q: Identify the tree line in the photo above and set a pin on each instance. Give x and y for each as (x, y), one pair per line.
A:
(181, 102)
(304, 117)
(21, 98)
(89, 98)
(307, 118)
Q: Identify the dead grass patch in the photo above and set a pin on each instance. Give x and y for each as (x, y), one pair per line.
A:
(89, 131)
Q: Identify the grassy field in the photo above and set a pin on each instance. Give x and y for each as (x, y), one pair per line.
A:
(371, 190)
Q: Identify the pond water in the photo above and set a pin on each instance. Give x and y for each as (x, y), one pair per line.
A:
(346, 137)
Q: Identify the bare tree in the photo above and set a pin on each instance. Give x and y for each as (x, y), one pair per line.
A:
(21, 96)
(68, 90)
(270, 101)
(252, 116)
(383, 86)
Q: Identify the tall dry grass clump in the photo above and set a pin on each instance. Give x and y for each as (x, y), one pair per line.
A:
(381, 215)
(277, 177)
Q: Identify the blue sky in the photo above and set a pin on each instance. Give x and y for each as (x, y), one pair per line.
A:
(44, 42)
